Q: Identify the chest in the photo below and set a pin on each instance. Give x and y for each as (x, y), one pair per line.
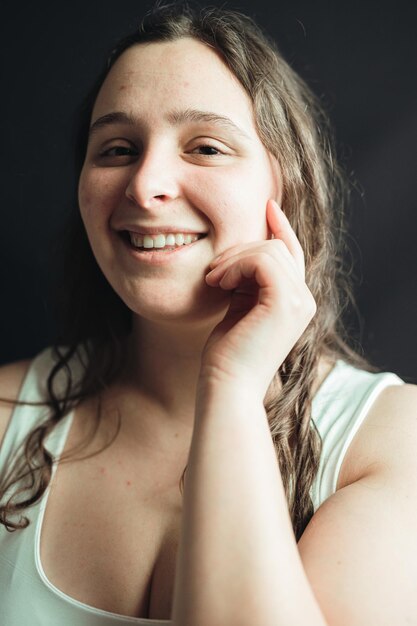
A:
(110, 535)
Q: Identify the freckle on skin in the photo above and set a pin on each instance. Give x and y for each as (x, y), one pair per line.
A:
(128, 483)
(102, 470)
(122, 87)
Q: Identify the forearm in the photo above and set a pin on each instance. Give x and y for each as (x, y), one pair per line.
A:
(238, 561)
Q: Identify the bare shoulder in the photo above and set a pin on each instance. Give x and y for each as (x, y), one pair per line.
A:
(393, 419)
(359, 550)
(11, 379)
(387, 439)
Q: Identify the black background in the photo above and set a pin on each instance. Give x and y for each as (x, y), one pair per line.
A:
(360, 58)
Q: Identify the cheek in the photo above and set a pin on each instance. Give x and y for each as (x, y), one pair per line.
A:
(233, 201)
(97, 195)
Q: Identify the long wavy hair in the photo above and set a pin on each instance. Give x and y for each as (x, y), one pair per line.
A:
(96, 322)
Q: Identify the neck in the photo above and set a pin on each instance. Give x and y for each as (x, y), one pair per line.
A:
(156, 393)
(164, 361)
(160, 381)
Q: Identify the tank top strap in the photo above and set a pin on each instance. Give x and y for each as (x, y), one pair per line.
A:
(338, 410)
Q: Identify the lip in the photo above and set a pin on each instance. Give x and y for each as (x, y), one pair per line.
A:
(159, 257)
(160, 230)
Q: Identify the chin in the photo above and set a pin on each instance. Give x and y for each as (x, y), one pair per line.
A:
(206, 307)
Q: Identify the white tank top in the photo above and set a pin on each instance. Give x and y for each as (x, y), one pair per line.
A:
(28, 598)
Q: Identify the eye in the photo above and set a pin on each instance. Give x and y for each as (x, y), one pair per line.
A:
(119, 151)
(207, 150)
(116, 152)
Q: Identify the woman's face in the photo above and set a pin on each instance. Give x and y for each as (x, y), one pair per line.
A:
(173, 149)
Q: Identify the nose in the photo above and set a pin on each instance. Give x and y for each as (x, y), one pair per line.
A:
(154, 179)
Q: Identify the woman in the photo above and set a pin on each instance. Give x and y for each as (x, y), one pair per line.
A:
(202, 332)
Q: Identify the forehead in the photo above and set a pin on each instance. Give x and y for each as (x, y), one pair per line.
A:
(179, 74)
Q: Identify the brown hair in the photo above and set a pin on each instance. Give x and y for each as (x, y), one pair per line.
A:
(293, 128)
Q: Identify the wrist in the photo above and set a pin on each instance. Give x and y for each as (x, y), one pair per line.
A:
(245, 387)
(228, 395)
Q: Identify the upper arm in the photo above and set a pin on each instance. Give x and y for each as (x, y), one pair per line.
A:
(11, 378)
(360, 549)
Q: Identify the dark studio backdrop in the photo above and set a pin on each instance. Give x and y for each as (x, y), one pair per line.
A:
(359, 57)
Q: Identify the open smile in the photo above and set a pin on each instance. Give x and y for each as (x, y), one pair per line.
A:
(160, 248)
(162, 241)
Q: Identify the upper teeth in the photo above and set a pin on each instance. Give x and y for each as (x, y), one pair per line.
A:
(160, 241)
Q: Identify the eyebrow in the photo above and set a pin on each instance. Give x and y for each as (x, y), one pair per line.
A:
(117, 117)
(178, 117)
(175, 118)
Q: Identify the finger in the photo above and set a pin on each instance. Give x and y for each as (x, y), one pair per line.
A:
(234, 251)
(275, 247)
(271, 251)
(248, 268)
(251, 275)
(281, 229)
(229, 252)
(252, 246)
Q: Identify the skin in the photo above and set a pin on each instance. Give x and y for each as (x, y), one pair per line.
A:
(212, 327)
(169, 180)
(208, 335)
(200, 176)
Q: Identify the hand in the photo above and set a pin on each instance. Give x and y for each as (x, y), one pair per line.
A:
(270, 307)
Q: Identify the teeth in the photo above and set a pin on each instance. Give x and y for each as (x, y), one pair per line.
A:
(137, 240)
(161, 241)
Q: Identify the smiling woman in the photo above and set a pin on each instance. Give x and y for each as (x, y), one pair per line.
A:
(160, 159)
(202, 331)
